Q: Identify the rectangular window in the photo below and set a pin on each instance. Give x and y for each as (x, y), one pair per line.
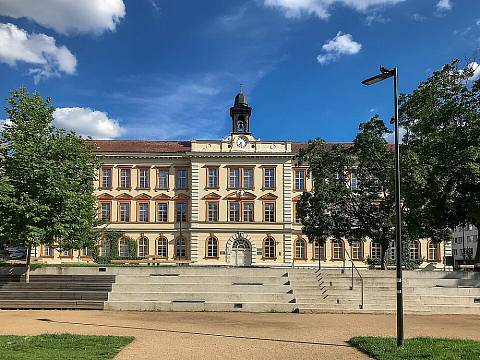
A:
(144, 178)
(106, 211)
(181, 212)
(67, 253)
(248, 178)
(234, 179)
(106, 178)
(212, 211)
(296, 218)
(234, 211)
(212, 177)
(143, 210)
(162, 212)
(355, 182)
(181, 179)
(376, 251)
(300, 180)
(48, 251)
(125, 178)
(124, 210)
(162, 179)
(269, 178)
(269, 212)
(248, 212)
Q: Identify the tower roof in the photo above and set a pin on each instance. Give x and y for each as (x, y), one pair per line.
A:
(241, 99)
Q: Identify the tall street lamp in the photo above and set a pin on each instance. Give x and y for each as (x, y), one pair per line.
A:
(385, 74)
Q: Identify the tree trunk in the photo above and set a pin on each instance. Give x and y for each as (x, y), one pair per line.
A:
(383, 259)
(29, 257)
(476, 262)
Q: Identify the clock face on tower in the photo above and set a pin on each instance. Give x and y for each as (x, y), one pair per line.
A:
(241, 142)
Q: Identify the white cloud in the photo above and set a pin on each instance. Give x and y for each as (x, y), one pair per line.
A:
(87, 122)
(418, 17)
(391, 136)
(444, 5)
(320, 8)
(16, 45)
(376, 18)
(68, 16)
(476, 70)
(341, 44)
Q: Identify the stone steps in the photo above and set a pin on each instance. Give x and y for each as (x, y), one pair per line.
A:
(204, 296)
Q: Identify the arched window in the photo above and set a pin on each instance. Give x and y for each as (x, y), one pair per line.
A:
(317, 250)
(433, 251)
(143, 247)
(104, 246)
(162, 247)
(415, 250)
(180, 248)
(376, 251)
(300, 249)
(123, 247)
(269, 251)
(212, 247)
(356, 250)
(337, 250)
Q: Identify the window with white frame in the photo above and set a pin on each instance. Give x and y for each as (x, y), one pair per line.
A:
(181, 212)
(180, 248)
(299, 180)
(248, 178)
(248, 211)
(144, 178)
(123, 250)
(318, 250)
(300, 249)
(212, 247)
(234, 211)
(143, 210)
(269, 248)
(376, 250)
(106, 178)
(269, 212)
(269, 178)
(106, 211)
(162, 179)
(433, 251)
(162, 247)
(357, 250)
(125, 178)
(234, 178)
(212, 177)
(162, 212)
(143, 247)
(415, 250)
(181, 178)
(338, 251)
(212, 211)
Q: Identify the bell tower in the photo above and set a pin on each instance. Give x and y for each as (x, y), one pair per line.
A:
(240, 113)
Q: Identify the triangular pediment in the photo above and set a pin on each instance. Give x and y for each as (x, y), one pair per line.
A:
(180, 197)
(143, 197)
(212, 196)
(123, 197)
(162, 197)
(105, 196)
(269, 196)
(240, 195)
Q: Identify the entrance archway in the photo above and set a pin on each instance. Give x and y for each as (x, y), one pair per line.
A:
(241, 253)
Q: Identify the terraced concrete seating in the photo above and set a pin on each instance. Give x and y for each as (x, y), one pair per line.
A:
(424, 292)
(204, 289)
(55, 291)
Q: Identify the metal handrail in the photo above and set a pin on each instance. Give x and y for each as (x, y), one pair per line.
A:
(359, 275)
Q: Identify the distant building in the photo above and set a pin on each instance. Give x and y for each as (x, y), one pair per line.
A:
(216, 202)
(464, 245)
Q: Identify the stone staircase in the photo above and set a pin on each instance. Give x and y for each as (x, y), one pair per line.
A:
(330, 291)
(55, 291)
(203, 289)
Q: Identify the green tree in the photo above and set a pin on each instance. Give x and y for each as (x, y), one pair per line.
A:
(333, 208)
(48, 193)
(441, 152)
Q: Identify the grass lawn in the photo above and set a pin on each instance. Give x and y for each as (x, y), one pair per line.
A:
(418, 348)
(61, 346)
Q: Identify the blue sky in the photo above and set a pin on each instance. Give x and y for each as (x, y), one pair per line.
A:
(160, 69)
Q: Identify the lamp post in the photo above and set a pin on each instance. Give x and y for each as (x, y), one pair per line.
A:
(385, 74)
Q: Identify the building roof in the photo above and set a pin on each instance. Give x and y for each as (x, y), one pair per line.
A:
(140, 146)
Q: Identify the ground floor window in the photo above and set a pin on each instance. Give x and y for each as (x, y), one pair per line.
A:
(212, 247)
(104, 246)
(162, 247)
(318, 250)
(143, 247)
(123, 247)
(357, 250)
(415, 250)
(180, 248)
(300, 249)
(48, 251)
(269, 248)
(433, 251)
(337, 250)
(376, 251)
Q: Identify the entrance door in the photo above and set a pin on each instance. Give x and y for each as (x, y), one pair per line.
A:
(241, 253)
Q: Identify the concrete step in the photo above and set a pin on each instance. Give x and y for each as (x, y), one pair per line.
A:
(53, 295)
(198, 287)
(205, 296)
(202, 278)
(51, 304)
(200, 306)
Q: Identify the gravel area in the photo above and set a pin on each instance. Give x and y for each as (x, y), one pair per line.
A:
(234, 335)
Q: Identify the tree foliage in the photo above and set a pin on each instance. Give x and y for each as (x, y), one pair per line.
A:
(46, 193)
(441, 152)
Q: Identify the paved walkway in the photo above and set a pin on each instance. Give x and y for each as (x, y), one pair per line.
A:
(233, 335)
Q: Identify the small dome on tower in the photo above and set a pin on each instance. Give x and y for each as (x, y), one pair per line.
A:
(241, 99)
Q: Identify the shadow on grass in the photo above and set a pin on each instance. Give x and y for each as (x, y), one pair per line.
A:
(302, 342)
